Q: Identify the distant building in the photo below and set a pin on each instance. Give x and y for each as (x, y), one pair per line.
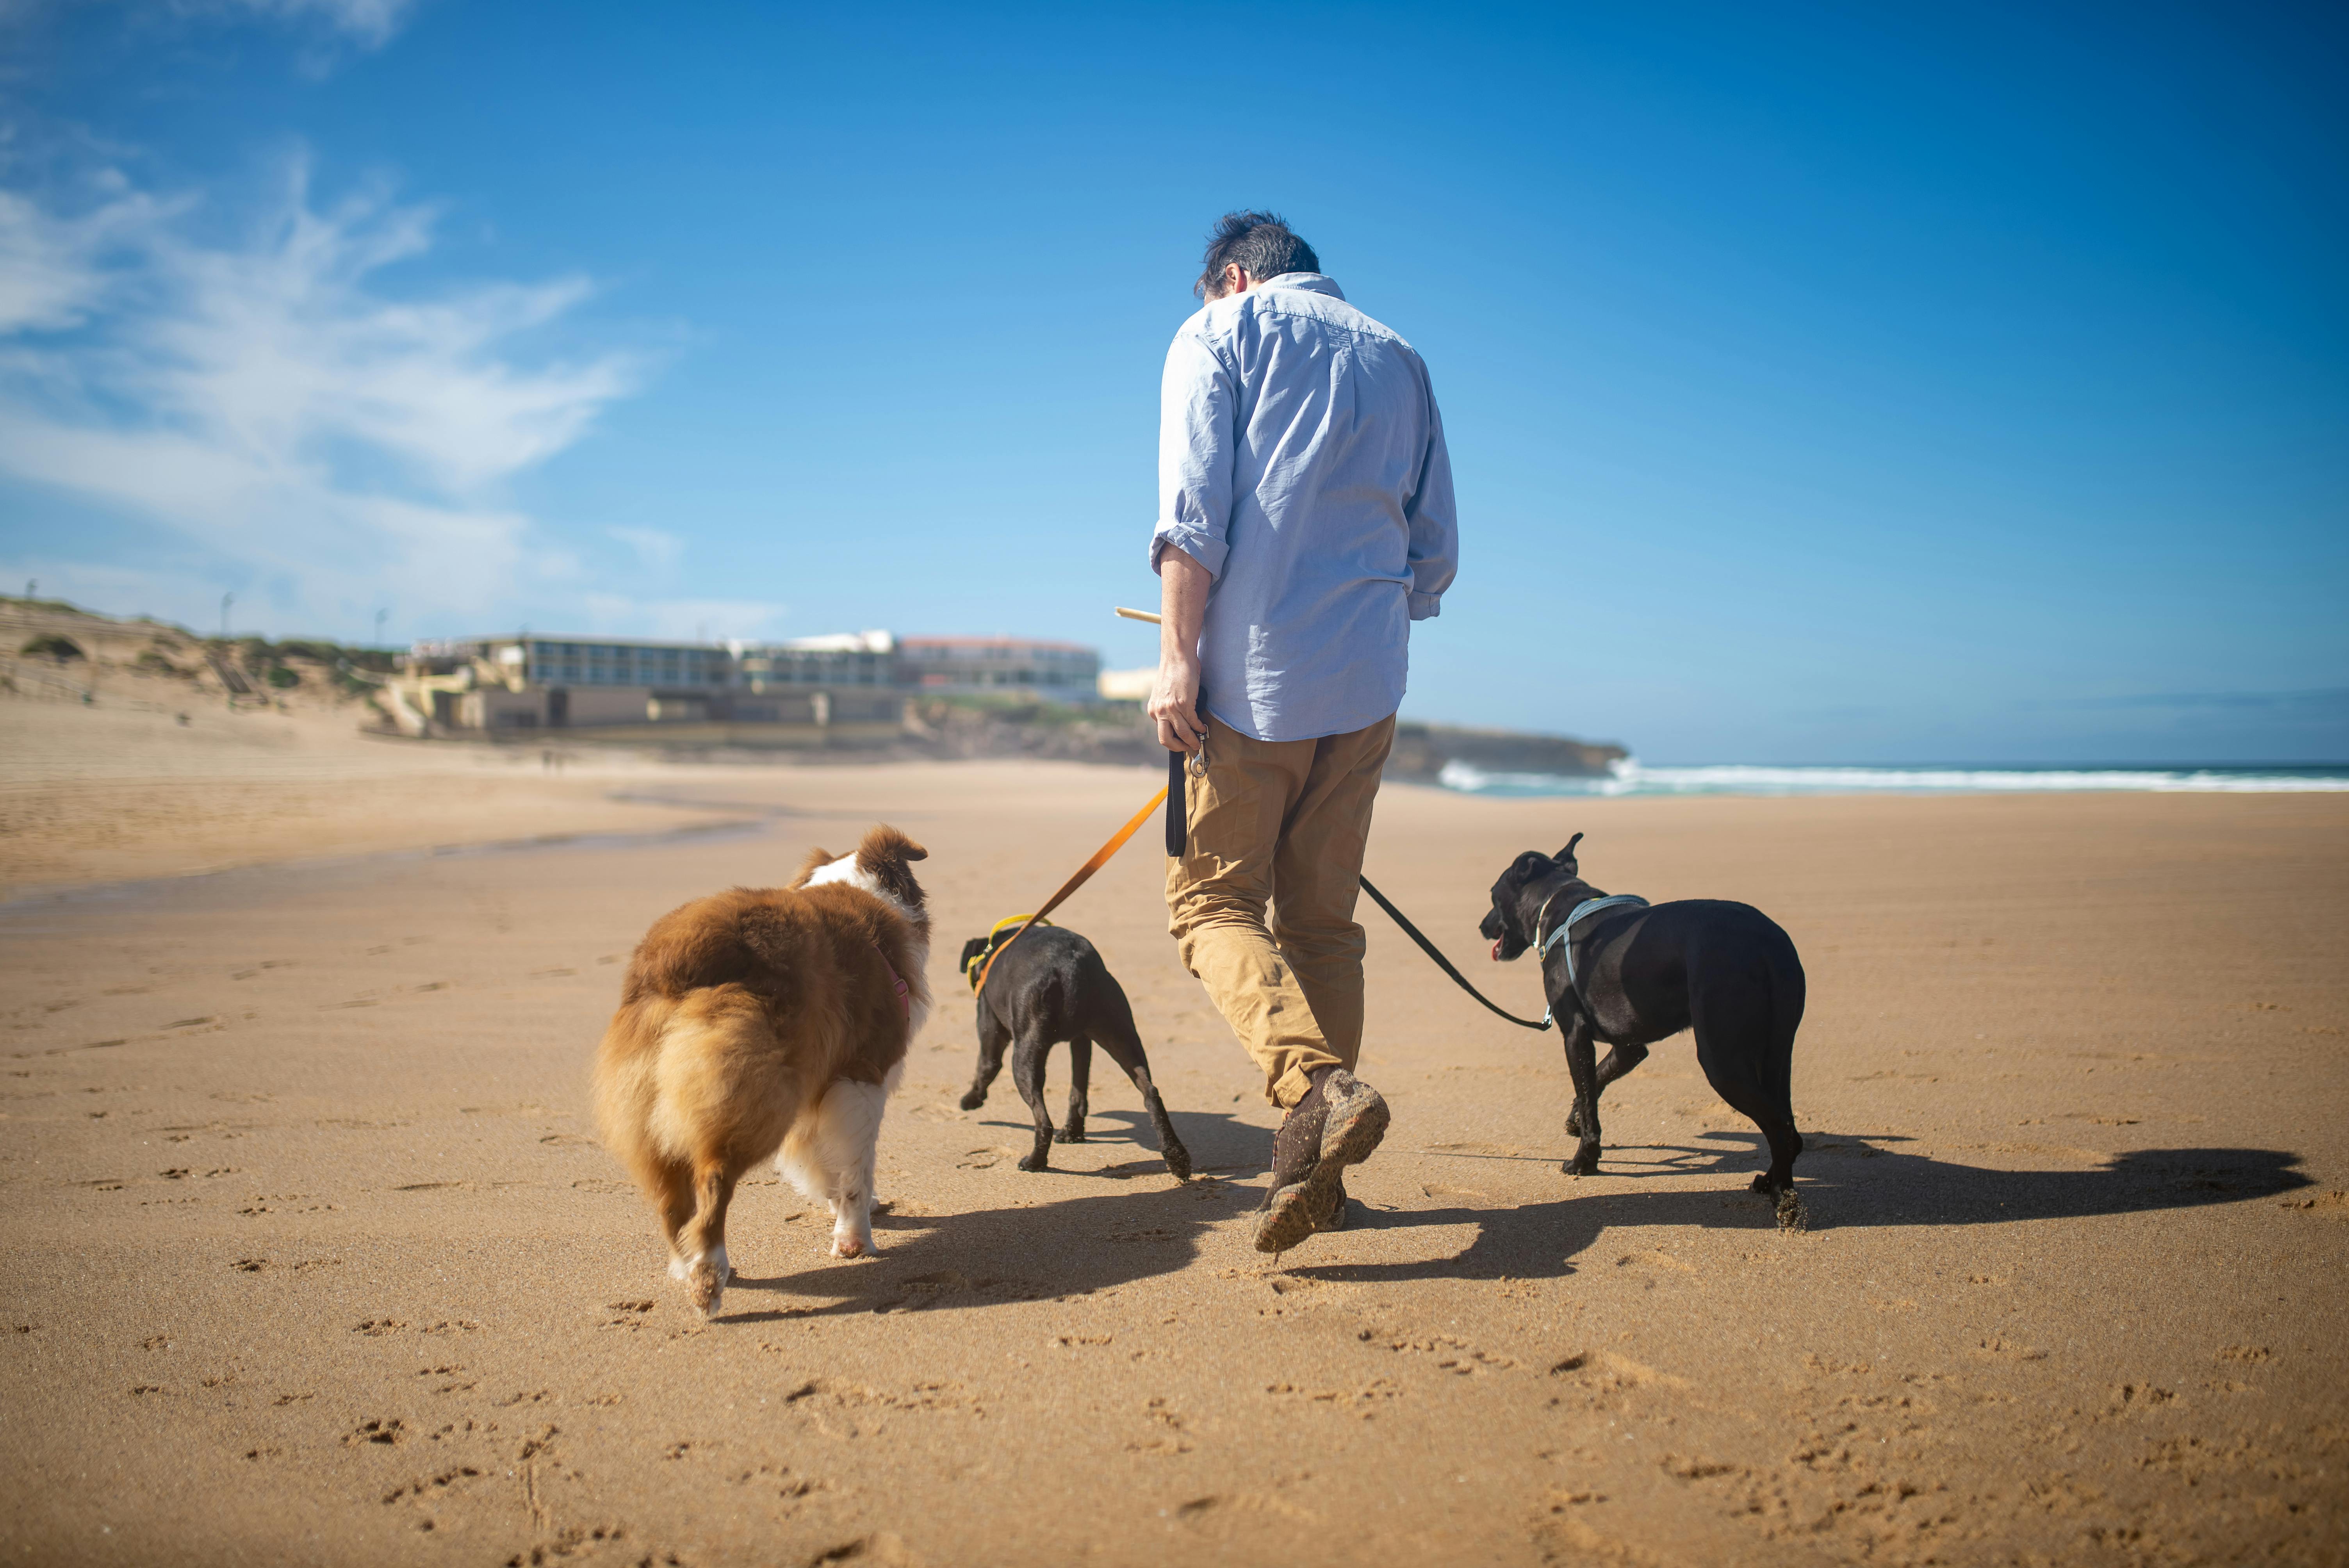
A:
(1127, 685)
(1059, 672)
(807, 691)
(845, 658)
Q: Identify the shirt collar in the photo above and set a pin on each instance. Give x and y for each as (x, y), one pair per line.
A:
(1311, 282)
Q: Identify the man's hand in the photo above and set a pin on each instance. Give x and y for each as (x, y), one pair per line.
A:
(1174, 704)
(1182, 606)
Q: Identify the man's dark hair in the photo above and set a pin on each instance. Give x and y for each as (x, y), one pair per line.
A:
(1262, 245)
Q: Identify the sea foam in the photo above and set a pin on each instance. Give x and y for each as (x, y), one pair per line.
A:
(1633, 778)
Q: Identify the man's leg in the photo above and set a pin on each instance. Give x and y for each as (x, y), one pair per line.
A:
(1239, 814)
(1216, 895)
(1318, 876)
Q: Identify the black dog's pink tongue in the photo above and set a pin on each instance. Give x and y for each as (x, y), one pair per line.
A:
(1496, 950)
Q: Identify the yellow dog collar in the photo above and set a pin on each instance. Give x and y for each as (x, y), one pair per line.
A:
(992, 931)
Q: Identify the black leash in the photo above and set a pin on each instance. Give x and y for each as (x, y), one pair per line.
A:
(1442, 961)
(1176, 798)
(1177, 795)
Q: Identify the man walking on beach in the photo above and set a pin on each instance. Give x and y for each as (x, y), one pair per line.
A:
(1305, 520)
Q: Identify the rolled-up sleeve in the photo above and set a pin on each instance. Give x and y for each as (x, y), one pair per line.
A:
(1435, 525)
(1196, 441)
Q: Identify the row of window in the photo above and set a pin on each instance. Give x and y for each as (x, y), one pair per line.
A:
(818, 667)
(607, 675)
(607, 663)
(604, 664)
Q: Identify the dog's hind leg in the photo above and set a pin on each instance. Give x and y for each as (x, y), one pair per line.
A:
(673, 1196)
(829, 1154)
(1027, 1076)
(1747, 1053)
(720, 1106)
(667, 1184)
(704, 1236)
(1124, 1043)
(853, 1112)
(1583, 1067)
(1619, 1059)
(1081, 1077)
(1785, 1145)
(994, 1034)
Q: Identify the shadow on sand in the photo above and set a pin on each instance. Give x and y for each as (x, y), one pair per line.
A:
(1049, 1244)
(1846, 1181)
(1054, 1245)
(1219, 1143)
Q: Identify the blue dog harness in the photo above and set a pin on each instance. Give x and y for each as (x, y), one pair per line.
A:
(1581, 912)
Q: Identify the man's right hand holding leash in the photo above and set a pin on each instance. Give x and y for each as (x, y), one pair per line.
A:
(1183, 605)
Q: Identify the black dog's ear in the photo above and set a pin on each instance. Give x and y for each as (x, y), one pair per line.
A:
(1528, 865)
(973, 949)
(1566, 856)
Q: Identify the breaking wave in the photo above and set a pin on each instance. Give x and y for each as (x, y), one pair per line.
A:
(1632, 777)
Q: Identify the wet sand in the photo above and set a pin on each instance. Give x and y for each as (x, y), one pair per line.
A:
(131, 791)
(311, 1254)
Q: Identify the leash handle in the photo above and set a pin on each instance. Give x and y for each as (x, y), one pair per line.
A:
(1177, 801)
(1441, 962)
(1175, 793)
(1085, 874)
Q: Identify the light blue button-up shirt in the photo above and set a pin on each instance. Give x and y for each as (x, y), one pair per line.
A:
(1301, 461)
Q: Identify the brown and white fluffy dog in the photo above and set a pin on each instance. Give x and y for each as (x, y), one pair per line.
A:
(762, 1019)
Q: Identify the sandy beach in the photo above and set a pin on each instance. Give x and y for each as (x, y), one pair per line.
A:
(311, 1254)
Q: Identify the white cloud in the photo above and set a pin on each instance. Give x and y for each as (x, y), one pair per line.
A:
(50, 267)
(655, 550)
(369, 22)
(272, 404)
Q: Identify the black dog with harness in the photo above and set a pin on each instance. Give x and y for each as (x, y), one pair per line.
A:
(1052, 985)
(1621, 970)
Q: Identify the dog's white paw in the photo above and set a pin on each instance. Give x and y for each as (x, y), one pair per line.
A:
(706, 1285)
(706, 1278)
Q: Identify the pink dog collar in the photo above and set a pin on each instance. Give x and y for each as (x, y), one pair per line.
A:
(897, 984)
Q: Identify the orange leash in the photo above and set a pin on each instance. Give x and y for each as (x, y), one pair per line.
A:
(1085, 874)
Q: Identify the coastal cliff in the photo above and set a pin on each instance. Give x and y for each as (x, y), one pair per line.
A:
(1421, 751)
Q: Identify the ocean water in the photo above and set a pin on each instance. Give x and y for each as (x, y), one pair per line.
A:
(1633, 778)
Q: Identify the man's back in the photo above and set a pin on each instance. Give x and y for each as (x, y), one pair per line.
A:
(1303, 463)
(1305, 522)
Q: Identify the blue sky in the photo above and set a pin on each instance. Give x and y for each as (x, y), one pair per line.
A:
(1824, 384)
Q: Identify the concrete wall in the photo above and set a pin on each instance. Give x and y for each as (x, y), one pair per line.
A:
(495, 708)
(590, 705)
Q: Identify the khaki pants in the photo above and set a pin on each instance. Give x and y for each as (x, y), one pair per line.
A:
(1279, 822)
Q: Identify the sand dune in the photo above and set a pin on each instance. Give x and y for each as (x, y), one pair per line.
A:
(311, 1254)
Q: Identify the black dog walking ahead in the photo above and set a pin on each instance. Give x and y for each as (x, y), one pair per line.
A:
(1052, 985)
(1633, 974)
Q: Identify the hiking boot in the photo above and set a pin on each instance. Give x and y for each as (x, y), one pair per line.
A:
(1338, 1123)
(1335, 1220)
